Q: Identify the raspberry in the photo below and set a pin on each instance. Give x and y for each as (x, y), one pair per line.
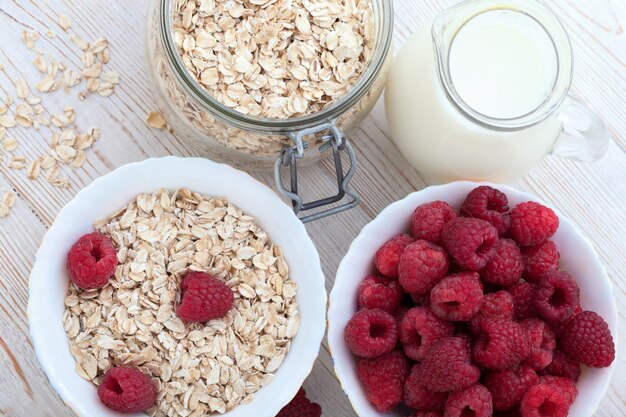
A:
(383, 379)
(566, 385)
(301, 406)
(563, 365)
(127, 390)
(545, 400)
(421, 266)
(418, 397)
(532, 223)
(500, 344)
(92, 261)
(470, 242)
(587, 338)
(494, 305)
(370, 333)
(557, 297)
(539, 259)
(542, 342)
(506, 266)
(426, 414)
(388, 256)
(419, 329)
(379, 292)
(488, 204)
(509, 385)
(457, 297)
(474, 401)
(428, 219)
(523, 295)
(447, 366)
(203, 298)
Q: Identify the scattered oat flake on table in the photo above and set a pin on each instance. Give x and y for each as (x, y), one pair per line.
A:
(7, 120)
(156, 120)
(64, 22)
(9, 199)
(9, 144)
(29, 38)
(22, 88)
(17, 162)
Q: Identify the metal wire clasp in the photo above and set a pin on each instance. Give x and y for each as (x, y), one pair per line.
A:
(334, 140)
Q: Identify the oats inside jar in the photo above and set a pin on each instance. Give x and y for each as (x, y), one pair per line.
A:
(198, 368)
(275, 58)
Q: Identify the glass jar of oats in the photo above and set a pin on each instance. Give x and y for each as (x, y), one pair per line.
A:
(271, 84)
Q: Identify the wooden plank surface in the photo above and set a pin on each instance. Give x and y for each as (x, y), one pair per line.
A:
(592, 195)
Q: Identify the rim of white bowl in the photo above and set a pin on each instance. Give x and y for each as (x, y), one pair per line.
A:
(335, 330)
(37, 323)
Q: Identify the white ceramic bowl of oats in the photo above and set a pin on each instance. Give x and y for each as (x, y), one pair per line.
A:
(577, 257)
(49, 280)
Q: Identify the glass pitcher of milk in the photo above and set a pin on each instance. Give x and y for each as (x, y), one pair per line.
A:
(482, 94)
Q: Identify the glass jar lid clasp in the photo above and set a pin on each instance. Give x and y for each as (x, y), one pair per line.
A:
(334, 139)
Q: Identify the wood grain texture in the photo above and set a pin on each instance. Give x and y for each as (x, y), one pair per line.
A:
(591, 195)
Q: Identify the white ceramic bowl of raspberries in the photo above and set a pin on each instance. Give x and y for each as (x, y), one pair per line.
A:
(49, 278)
(455, 304)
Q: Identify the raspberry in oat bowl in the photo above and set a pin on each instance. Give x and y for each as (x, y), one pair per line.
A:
(195, 317)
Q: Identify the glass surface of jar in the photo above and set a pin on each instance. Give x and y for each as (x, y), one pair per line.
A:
(256, 143)
(482, 94)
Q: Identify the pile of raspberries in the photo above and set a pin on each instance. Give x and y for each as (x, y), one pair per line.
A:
(470, 315)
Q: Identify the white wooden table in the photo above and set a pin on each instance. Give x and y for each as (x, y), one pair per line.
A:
(592, 195)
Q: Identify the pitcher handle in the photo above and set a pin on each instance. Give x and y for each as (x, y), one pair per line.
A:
(585, 136)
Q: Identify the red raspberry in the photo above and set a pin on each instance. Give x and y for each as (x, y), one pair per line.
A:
(426, 414)
(506, 266)
(301, 406)
(418, 397)
(587, 338)
(500, 344)
(127, 390)
(92, 261)
(383, 379)
(422, 265)
(419, 329)
(370, 333)
(203, 298)
(457, 297)
(533, 223)
(470, 242)
(473, 401)
(523, 295)
(488, 204)
(545, 400)
(557, 297)
(563, 365)
(509, 385)
(379, 292)
(539, 259)
(447, 366)
(565, 384)
(428, 219)
(495, 305)
(388, 256)
(542, 342)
